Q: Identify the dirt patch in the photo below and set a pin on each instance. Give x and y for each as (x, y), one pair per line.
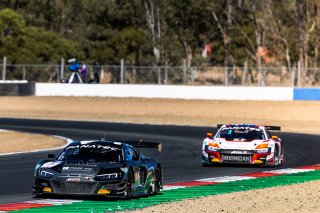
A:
(296, 198)
(11, 141)
(294, 116)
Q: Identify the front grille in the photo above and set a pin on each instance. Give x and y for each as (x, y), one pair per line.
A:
(236, 158)
(73, 187)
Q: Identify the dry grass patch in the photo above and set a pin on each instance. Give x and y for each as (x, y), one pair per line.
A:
(295, 116)
(11, 141)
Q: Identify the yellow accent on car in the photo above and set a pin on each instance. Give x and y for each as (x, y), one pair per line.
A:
(258, 161)
(104, 192)
(262, 146)
(47, 189)
(215, 160)
(214, 145)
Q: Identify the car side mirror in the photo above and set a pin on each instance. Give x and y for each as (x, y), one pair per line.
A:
(209, 135)
(51, 156)
(274, 137)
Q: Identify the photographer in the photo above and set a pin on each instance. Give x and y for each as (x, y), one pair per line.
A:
(76, 70)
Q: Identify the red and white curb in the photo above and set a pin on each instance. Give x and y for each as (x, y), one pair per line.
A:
(209, 181)
(34, 204)
(4, 208)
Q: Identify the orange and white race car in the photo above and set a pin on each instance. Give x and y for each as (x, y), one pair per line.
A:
(243, 144)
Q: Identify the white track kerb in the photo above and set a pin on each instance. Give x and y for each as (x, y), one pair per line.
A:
(225, 179)
(166, 91)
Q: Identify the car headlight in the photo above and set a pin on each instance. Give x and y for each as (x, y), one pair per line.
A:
(262, 146)
(44, 173)
(109, 176)
(124, 169)
(213, 147)
(36, 169)
(262, 150)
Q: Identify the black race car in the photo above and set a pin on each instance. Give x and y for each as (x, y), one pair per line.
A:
(106, 168)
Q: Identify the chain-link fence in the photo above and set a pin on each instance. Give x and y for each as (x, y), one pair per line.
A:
(178, 75)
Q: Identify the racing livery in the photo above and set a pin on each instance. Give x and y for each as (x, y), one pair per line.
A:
(243, 144)
(106, 168)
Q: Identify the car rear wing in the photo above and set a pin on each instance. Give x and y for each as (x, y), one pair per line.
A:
(272, 128)
(275, 128)
(144, 144)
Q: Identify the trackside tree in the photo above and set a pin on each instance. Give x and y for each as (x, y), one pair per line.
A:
(244, 33)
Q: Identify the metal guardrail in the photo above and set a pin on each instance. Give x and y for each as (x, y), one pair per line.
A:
(173, 75)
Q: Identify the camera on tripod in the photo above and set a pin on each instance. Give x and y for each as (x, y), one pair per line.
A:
(74, 68)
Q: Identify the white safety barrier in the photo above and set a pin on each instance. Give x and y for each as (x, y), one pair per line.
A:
(13, 81)
(165, 91)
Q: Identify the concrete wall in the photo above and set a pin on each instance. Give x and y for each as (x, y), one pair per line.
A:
(306, 94)
(24, 88)
(17, 88)
(165, 91)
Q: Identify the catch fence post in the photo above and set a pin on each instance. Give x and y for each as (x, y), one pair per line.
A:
(61, 69)
(24, 72)
(226, 76)
(299, 74)
(4, 68)
(184, 71)
(245, 72)
(193, 73)
(159, 74)
(122, 72)
(293, 76)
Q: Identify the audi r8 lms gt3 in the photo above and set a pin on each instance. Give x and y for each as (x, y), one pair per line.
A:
(243, 144)
(107, 168)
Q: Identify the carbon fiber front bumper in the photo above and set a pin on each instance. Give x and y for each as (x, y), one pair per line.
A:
(60, 186)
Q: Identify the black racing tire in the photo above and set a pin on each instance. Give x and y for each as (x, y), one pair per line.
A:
(276, 155)
(158, 180)
(282, 156)
(130, 185)
(276, 152)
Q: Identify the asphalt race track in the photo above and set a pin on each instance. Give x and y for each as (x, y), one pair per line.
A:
(180, 157)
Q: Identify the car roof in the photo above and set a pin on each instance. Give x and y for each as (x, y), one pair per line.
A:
(102, 142)
(265, 127)
(242, 125)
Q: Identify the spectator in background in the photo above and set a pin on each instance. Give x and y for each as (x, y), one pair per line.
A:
(83, 73)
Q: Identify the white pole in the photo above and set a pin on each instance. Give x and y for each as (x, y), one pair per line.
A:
(122, 72)
(62, 69)
(159, 74)
(4, 69)
(101, 73)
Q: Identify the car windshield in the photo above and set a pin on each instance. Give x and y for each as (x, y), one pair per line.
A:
(92, 152)
(241, 134)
